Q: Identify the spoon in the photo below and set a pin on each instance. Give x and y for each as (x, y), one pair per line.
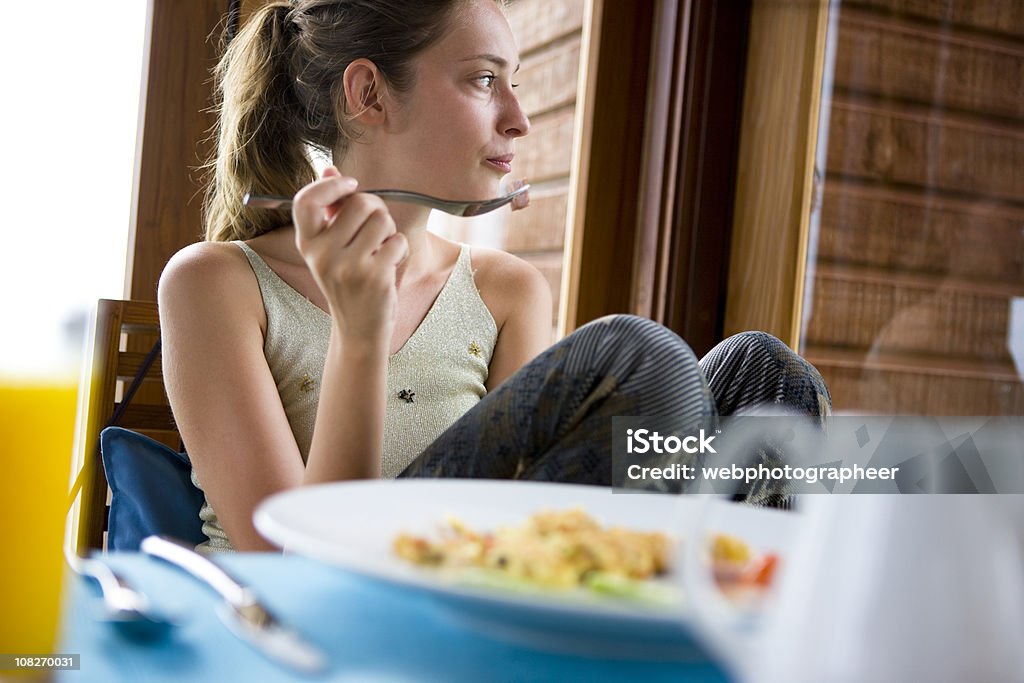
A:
(455, 208)
(127, 610)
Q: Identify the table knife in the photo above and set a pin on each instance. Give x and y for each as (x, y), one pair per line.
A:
(241, 611)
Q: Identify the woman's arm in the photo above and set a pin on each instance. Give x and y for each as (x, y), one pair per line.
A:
(223, 394)
(351, 246)
(224, 397)
(519, 299)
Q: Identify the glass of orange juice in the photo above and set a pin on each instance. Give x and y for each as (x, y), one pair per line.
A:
(37, 424)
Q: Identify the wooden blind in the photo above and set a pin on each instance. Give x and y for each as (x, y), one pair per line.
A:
(920, 252)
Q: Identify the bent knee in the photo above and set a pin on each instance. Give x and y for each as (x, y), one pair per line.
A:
(633, 333)
(756, 339)
(627, 326)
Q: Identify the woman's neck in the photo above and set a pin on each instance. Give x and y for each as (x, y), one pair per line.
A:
(422, 257)
(411, 221)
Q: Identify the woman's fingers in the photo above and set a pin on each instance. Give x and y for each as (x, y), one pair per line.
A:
(393, 250)
(358, 215)
(348, 240)
(332, 171)
(315, 204)
(347, 246)
(376, 227)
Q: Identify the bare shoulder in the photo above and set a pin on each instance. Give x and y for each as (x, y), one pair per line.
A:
(203, 263)
(500, 268)
(507, 283)
(208, 278)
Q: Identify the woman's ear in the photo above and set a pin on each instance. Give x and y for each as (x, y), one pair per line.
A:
(364, 93)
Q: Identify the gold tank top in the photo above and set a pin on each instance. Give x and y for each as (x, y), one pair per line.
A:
(437, 375)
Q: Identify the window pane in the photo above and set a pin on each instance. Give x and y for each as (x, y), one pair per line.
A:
(72, 107)
(916, 265)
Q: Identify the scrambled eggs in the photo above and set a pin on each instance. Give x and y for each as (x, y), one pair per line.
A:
(557, 549)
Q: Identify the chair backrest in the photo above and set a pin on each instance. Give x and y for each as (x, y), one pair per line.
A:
(125, 333)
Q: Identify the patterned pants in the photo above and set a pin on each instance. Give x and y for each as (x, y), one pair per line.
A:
(552, 420)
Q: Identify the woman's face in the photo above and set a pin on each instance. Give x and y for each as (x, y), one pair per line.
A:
(453, 134)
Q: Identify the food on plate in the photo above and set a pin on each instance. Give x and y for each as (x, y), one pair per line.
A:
(567, 549)
(736, 566)
(554, 549)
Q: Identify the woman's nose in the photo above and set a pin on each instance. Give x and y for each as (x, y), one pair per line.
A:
(515, 123)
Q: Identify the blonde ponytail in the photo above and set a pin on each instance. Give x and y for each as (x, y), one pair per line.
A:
(259, 146)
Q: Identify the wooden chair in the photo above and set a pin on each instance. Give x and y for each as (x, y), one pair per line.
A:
(125, 333)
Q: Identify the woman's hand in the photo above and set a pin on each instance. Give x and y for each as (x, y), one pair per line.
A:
(351, 246)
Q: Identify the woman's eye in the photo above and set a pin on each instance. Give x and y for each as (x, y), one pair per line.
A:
(488, 80)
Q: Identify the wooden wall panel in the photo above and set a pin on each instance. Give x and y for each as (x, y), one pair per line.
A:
(903, 145)
(546, 154)
(605, 199)
(919, 256)
(542, 228)
(538, 22)
(550, 36)
(998, 16)
(906, 231)
(899, 392)
(547, 80)
(903, 60)
(174, 125)
(922, 315)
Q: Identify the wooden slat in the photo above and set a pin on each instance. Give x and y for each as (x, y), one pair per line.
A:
(140, 328)
(536, 23)
(548, 79)
(169, 437)
(144, 416)
(129, 362)
(901, 59)
(901, 393)
(924, 364)
(916, 280)
(894, 316)
(999, 16)
(541, 226)
(893, 144)
(547, 152)
(905, 230)
(93, 497)
(140, 316)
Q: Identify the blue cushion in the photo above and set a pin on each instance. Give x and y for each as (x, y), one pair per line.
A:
(151, 490)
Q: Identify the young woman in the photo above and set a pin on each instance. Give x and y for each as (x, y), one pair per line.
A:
(344, 341)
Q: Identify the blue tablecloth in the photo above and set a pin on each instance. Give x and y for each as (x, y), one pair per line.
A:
(372, 630)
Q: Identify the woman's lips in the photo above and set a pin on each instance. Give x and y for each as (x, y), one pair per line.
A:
(503, 164)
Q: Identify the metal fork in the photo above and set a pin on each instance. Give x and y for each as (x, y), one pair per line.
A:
(456, 208)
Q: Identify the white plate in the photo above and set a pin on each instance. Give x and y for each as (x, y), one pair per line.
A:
(353, 524)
